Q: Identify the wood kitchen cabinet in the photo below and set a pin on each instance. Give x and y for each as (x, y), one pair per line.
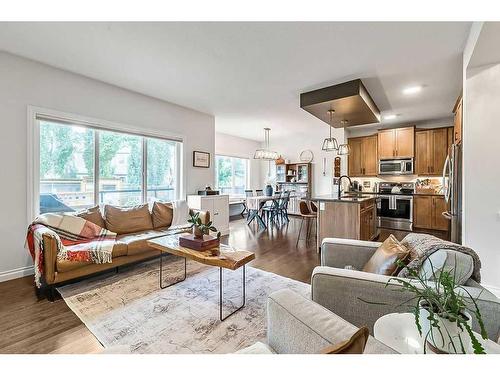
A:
(347, 219)
(458, 121)
(396, 143)
(362, 160)
(427, 212)
(431, 149)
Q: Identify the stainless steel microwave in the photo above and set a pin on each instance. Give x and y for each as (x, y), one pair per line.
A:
(395, 166)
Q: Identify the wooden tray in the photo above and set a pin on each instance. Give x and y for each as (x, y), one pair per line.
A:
(189, 241)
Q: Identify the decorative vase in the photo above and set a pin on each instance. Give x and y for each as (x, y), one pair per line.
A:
(197, 232)
(269, 190)
(446, 336)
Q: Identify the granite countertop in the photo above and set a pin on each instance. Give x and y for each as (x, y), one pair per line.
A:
(335, 198)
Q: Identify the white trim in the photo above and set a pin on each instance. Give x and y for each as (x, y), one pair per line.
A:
(493, 289)
(16, 273)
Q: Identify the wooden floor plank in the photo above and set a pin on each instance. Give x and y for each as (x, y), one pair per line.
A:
(32, 325)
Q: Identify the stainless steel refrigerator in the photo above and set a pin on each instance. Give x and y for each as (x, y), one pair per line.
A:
(452, 188)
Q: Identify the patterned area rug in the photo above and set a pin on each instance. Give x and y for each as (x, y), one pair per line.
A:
(130, 309)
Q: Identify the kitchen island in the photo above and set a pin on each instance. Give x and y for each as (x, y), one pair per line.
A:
(350, 216)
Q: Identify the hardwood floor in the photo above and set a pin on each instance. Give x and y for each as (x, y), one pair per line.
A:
(32, 325)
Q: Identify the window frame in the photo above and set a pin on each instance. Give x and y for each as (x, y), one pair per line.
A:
(247, 174)
(35, 114)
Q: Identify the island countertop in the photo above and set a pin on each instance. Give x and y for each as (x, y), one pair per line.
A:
(347, 199)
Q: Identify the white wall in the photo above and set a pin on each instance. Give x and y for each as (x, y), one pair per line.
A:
(482, 170)
(311, 139)
(229, 145)
(24, 82)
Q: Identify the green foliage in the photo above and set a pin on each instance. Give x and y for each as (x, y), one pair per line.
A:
(224, 172)
(161, 159)
(195, 221)
(57, 146)
(442, 299)
(109, 145)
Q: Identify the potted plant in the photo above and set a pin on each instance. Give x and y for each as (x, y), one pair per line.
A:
(200, 229)
(443, 312)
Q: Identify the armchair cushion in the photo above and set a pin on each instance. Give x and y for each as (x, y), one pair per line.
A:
(459, 264)
(340, 252)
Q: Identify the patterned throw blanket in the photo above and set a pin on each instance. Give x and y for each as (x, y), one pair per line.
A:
(421, 246)
(77, 240)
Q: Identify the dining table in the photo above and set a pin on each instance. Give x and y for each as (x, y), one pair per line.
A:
(254, 206)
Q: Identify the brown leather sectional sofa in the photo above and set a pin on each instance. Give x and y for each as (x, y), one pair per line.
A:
(133, 225)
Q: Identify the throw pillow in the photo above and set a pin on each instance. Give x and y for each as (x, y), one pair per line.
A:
(384, 260)
(122, 220)
(93, 215)
(181, 214)
(459, 264)
(355, 345)
(162, 214)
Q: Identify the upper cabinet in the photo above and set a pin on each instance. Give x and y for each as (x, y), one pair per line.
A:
(396, 143)
(362, 159)
(431, 151)
(458, 112)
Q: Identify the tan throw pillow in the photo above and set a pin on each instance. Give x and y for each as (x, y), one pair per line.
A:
(93, 215)
(355, 345)
(384, 260)
(162, 214)
(123, 220)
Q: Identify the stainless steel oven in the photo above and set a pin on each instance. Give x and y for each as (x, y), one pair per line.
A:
(396, 166)
(395, 206)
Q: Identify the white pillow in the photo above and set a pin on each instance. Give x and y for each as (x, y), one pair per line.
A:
(181, 214)
(460, 264)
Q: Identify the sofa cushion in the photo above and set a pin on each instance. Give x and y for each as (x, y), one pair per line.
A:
(460, 264)
(119, 249)
(384, 260)
(137, 242)
(93, 214)
(162, 214)
(123, 220)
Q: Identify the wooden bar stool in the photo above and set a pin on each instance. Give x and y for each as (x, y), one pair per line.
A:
(307, 215)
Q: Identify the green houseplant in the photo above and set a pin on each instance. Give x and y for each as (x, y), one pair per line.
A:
(443, 311)
(200, 229)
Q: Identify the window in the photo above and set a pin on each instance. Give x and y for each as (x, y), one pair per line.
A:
(81, 166)
(231, 175)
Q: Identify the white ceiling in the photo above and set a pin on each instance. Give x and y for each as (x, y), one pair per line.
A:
(250, 75)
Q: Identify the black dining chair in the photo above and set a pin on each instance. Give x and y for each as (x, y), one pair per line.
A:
(271, 210)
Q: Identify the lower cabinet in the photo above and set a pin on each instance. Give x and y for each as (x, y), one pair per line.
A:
(367, 223)
(427, 212)
(217, 205)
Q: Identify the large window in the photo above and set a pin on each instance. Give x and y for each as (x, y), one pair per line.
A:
(231, 175)
(83, 166)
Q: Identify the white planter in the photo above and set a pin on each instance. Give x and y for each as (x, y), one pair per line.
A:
(448, 341)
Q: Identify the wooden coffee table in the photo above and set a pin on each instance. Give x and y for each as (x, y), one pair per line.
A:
(222, 256)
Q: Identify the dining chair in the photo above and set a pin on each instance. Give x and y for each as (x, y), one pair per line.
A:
(271, 211)
(248, 193)
(307, 215)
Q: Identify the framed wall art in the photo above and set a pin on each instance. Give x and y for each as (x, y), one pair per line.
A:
(201, 159)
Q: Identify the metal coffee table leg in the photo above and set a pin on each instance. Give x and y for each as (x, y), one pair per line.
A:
(221, 296)
(161, 273)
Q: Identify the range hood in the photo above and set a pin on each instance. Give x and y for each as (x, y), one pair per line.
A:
(351, 101)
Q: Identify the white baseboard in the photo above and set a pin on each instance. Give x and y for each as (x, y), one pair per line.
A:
(16, 273)
(493, 289)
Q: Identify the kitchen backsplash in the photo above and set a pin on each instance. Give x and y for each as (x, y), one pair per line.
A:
(369, 183)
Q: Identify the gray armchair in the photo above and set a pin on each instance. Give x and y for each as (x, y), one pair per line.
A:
(344, 291)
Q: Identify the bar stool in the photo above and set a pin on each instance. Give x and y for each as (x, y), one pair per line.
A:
(309, 216)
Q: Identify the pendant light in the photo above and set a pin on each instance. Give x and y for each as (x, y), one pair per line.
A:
(344, 149)
(266, 153)
(330, 144)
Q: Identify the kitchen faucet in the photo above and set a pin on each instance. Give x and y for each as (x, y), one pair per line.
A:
(340, 183)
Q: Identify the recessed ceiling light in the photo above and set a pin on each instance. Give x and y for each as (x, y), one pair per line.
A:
(412, 90)
(389, 117)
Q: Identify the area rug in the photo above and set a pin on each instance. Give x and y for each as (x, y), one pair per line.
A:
(130, 310)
